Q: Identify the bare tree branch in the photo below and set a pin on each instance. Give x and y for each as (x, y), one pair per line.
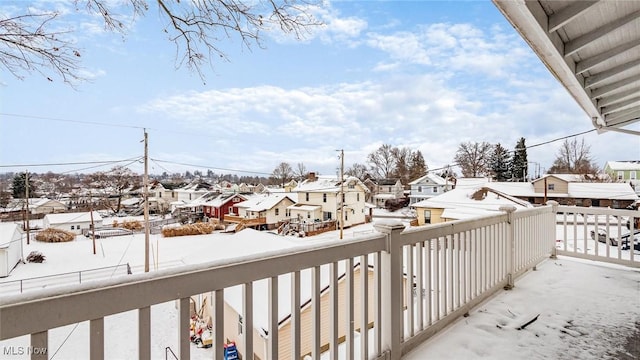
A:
(28, 42)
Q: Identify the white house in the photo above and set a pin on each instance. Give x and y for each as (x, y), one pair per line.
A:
(319, 199)
(427, 187)
(75, 222)
(271, 208)
(10, 247)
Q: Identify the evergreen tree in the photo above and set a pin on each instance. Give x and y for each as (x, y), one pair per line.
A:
(499, 163)
(418, 166)
(19, 189)
(519, 162)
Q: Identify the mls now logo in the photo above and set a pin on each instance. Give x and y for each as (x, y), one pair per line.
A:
(23, 350)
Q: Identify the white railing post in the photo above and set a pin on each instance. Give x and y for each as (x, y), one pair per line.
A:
(510, 253)
(552, 230)
(392, 294)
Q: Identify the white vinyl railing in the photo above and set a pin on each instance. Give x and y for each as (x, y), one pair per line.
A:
(599, 234)
(422, 279)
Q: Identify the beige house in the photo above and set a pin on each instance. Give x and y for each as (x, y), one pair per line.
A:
(320, 197)
(266, 210)
(387, 189)
(38, 206)
(236, 331)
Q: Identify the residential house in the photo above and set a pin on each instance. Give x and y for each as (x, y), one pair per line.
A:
(288, 187)
(192, 191)
(216, 206)
(319, 199)
(10, 247)
(37, 206)
(264, 211)
(569, 189)
(427, 187)
(387, 189)
(624, 171)
(78, 223)
(469, 199)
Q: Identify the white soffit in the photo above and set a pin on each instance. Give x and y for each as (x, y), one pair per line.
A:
(591, 47)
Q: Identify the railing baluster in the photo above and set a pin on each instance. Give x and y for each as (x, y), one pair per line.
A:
(40, 345)
(96, 339)
(364, 307)
(436, 277)
(247, 320)
(184, 321)
(144, 333)
(409, 290)
(273, 319)
(428, 276)
(377, 302)
(420, 286)
(333, 311)
(295, 315)
(349, 308)
(315, 309)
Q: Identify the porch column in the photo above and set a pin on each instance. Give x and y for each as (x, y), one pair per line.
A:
(552, 229)
(510, 253)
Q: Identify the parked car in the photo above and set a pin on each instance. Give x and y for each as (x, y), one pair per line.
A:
(602, 237)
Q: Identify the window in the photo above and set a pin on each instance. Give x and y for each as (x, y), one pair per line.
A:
(551, 186)
(389, 188)
(419, 188)
(435, 189)
(632, 175)
(72, 227)
(427, 216)
(277, 211)
(287, 213)
(327, 215)
(357, 196)
(343, 198)
(308, 215)
(620, 175)
(306, 196)
(240, 324)
(159, 195)
(324, 198)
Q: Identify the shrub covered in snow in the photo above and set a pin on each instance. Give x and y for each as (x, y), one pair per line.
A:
(55, 235)
(189, 229)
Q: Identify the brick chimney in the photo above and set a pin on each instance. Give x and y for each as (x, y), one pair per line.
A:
(312, 176)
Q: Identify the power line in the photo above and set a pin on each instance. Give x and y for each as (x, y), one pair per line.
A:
(68, 163)
(73, 121)
(212, 167)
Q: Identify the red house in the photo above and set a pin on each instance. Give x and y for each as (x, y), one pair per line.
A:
(221, 205)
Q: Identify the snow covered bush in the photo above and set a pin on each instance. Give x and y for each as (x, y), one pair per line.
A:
(55, 235)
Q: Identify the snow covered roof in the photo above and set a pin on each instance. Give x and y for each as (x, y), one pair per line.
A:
(263, 202)
(570, 178)
(328, 184)
(429, 179)
(71, 218)
(7, 233)
(461, 204)
(624, 165)
(524, 189)
(616, 191)
(304, 207)
(384, 196)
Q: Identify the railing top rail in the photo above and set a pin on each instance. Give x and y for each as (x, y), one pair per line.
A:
(597, 211)
(26, 313)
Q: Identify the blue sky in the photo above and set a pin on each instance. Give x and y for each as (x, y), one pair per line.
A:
(426, 75)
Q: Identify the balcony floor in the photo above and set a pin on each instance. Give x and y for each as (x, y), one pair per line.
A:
(587, 310)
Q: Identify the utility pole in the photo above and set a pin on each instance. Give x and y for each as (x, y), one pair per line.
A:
(145, 181)
(341, 192)
(26, 194)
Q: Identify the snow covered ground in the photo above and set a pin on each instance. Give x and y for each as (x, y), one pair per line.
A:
(585, 310)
